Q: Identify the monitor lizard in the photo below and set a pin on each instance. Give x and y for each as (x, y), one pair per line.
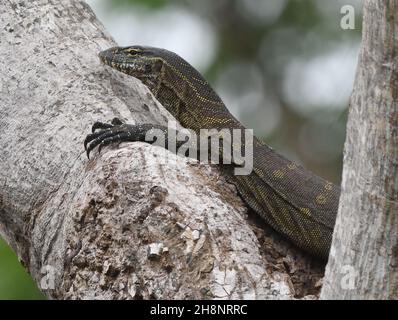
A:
(292, 200)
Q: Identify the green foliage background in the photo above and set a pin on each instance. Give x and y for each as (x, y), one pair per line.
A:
(15, 283)
(239, 39)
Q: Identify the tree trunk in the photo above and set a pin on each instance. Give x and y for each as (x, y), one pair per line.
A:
(134, 222)
(363, 263)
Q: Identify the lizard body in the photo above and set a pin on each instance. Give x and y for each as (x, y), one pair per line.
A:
(292, 200)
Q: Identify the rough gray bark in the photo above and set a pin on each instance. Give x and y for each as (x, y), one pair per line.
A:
(364, 258)
(135, 222)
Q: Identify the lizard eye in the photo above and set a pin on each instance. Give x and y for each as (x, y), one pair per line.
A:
(132, 51)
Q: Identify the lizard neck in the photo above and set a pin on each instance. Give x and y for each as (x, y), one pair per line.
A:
(192, 101)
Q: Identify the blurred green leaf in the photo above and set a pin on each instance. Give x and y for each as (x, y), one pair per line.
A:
(15, 283)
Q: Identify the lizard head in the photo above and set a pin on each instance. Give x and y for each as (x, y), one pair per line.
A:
(182, 83)
(143, 63)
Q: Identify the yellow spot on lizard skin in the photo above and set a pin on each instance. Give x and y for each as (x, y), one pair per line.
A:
(306, 211)
(320, 199)
(278, 174)
(329, 186)
(292, 166)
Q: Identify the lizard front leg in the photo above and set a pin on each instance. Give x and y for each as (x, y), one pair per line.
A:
(104, 134)
(117, 132)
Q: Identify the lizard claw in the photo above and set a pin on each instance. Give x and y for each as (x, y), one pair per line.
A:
(117, 122)
(100, 125)
(107, 133)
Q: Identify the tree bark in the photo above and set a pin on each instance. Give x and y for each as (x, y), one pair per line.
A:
(136, 221)
(363, 263)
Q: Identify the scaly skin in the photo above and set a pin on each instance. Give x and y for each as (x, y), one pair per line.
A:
(294, 201)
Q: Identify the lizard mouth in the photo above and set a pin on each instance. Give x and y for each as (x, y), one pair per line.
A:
(109, 56)
(119, 60)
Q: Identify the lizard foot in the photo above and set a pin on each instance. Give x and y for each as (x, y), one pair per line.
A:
(104, 134)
